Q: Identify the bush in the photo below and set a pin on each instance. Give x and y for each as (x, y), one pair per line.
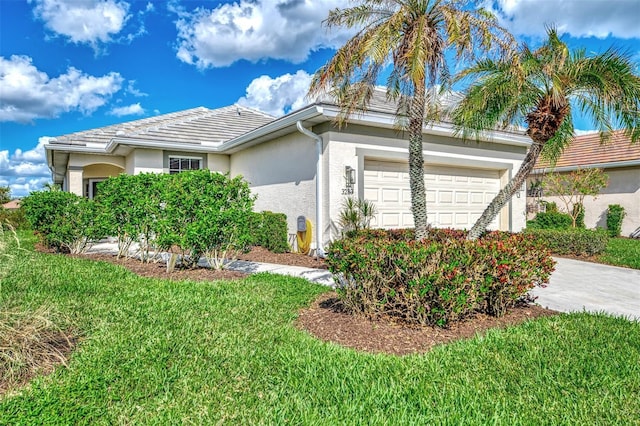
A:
(14, 218)
(204, 214)
(356, 214)
(64, 221)
(438, 280)
(615, 214)
(132, 206)
(269, 230)
(573, 241)
(550, 220)
(578, 213)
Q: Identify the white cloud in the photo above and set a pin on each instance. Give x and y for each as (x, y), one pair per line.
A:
(255, 30)
(27, 93)
(579, 18)
(277, 96)
(133, 109)
(133, 91)
(24, 171)
(83, 21)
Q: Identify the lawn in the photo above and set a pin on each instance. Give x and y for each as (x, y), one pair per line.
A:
(622, 252)
(160, 352)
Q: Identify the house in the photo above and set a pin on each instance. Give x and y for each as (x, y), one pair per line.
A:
(12, 205)
(302, 164)
(620, 160)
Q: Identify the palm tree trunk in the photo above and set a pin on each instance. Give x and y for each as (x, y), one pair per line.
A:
(507, 192)
(416, 163)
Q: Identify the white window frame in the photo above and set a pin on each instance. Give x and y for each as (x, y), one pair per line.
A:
(185, 157)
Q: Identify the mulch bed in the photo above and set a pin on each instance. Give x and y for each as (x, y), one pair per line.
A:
(326, 320)
(159, 270)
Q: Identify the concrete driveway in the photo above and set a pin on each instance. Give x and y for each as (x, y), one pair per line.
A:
(580, 286)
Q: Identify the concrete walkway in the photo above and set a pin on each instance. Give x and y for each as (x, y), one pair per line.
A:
(574, 285)
(585, 286)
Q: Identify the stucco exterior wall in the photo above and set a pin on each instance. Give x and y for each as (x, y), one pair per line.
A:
(623, 189)
(101, 171)
(146, 161)
(350, 146)
(82, 160)
(282, 174)
(218, 163)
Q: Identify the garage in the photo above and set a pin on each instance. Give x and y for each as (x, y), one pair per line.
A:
(456, 196)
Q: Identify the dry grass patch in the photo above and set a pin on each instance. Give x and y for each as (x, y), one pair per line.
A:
(31, 344)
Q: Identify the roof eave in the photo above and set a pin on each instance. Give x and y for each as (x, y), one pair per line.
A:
(607, 165)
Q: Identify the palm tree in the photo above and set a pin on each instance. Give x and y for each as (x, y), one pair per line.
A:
(412, 37)
(542, 89)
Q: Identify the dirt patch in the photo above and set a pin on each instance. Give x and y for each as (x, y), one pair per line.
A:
(326, 320)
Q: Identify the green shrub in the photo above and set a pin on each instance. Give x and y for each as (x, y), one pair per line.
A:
(64, 221)
(204, 214)
(578, 213)
(269, 230)
(356, 214)
(550, 220)
(615, 215)
(14, 218)
(438, 280)
(573, 241)
(132, 206)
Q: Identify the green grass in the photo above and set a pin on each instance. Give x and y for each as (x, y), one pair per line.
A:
(159, 352)
(622, 252)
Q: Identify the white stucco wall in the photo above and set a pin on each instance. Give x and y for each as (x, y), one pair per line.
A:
(218, 163)
(623, 189)
(145, 161)
(282, 174)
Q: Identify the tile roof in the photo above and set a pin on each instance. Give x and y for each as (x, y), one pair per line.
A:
(193, 125)
(12, 205)
(588, 150)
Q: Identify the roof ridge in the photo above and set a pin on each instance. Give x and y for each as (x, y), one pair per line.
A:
(255, 110)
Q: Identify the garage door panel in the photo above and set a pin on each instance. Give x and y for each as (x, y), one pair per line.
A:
(455, 196)
(371, 194)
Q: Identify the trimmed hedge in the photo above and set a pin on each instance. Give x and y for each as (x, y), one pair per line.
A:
(436, 281)
(269, 230)
(574, 241)
(550, 220)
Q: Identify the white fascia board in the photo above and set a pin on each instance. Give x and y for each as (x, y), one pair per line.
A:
(141, 143)
(439, 128)
(611, 165)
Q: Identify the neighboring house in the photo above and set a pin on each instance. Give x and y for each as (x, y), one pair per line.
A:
(12, 205)
(619, 159)
(279, 157)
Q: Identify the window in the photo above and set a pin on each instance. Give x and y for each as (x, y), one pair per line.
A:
(180, 164)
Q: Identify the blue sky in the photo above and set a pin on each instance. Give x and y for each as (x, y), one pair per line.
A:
(72, 65)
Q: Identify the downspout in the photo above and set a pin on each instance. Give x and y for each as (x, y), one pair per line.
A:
(309, 133)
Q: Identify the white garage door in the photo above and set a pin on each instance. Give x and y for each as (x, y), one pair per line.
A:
(456, 196)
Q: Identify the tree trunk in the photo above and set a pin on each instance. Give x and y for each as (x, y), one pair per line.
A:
(416, 163)
(543, 123)
(506, 193)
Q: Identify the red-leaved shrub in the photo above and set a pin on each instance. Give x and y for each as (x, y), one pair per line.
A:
(438, 280)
